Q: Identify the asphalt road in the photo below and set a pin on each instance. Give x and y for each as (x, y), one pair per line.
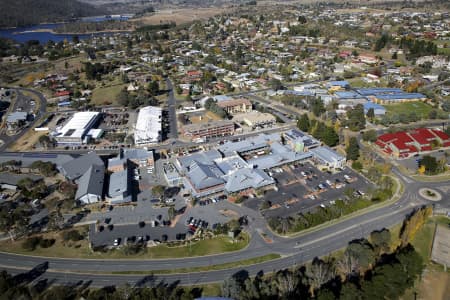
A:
(7, 139)
(171, 102)
(295, 250)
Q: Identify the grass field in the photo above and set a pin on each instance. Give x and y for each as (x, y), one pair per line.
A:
(444, 51)
(434, 282)
(81, 249)
(420, 108)
(106, 95)
(181, 15)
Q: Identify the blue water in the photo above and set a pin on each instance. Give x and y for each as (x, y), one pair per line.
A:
(22, 35)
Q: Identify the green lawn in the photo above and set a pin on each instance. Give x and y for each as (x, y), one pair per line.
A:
(444, 51)
(423, 240)
(421, 109)
(81, 249)
(106, 95)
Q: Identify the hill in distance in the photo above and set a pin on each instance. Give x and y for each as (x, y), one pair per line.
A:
(16, 13)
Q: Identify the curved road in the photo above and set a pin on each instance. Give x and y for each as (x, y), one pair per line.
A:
(7, 139)
(296, 250)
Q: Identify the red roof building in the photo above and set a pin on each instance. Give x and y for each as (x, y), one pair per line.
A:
(62, 93)
(404, 144)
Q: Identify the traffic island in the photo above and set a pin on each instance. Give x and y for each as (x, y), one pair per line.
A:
(430, 194)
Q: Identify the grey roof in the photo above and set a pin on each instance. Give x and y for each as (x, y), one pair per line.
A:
(139, 154)
(204, 175)
(246, 178)
(13, 179)
(301, 137)
(133, 154)
(77, 167)
(249, 144)
(91, 182)
(16, 116)
(327, 155)
(280, 155)
(28, 158)
(231, 163)
(202, 157)
(118, 184)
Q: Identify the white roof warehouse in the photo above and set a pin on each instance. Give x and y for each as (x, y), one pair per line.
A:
(148, 125)
(76, 130)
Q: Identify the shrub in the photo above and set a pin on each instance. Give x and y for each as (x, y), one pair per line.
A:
(46, 243)
(31, 243)
(72, 235)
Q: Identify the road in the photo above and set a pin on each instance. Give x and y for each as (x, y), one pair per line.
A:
(7, 139)
(172, 107)
(296, 250)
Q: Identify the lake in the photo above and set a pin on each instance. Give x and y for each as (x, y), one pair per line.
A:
(23, 34)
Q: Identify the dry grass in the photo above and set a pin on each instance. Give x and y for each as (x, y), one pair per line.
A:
(204, 118)
(181, 15)
(434, 285)
(27, 141)
(106, 95)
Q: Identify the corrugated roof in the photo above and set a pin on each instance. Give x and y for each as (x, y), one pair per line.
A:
(77, 167)
(91, 182)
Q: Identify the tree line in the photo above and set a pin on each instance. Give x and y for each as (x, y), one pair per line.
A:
(16, 13)
(367, 269)
(380, 267)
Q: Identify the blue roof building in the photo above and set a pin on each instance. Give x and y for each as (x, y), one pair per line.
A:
(378, 109)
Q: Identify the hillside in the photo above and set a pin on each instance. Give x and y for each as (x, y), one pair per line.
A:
(15, 13)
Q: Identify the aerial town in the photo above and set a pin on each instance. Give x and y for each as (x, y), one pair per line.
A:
(258, 151)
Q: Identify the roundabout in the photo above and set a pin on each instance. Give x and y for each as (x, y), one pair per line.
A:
(430, 194)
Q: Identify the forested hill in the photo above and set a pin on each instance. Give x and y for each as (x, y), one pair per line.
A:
(15, 13)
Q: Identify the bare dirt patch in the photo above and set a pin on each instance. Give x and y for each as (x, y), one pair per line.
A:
(434, 285)
(229, 213)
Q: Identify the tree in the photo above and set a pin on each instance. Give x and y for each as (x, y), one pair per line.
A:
(381, 42)
(319, 272)
(369, 135)
(363, 253)
(413, 223)
(275, 84)
(352, 149)
(45, 141)
(371, 113)
(430, 163)
(317, 106)
(158, 190)
(381, 241)
(153, 88)
(303, 123)
(286, 282)
(356, 119)
(330, 137)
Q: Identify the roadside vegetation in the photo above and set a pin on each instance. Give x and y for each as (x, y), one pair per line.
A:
(385, 265)
(72, 243)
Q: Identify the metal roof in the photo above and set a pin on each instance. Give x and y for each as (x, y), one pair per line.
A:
(77, 167)
(148, 125)
(246, 178)
(91, 182)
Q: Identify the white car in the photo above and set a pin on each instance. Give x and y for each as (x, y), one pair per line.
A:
(116, 242)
